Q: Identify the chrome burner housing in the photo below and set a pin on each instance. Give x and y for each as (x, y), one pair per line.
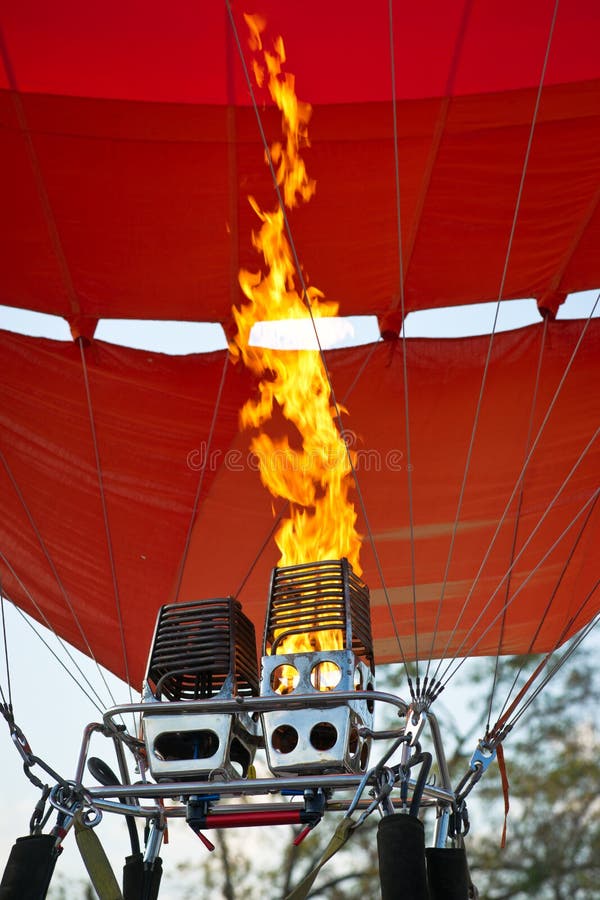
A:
(201, 650)
(307, 602)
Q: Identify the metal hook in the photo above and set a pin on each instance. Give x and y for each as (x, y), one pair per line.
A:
(385, 781)
(375, 773)
(459, 823)
(38, 820)
(381, 797)
(69, 798)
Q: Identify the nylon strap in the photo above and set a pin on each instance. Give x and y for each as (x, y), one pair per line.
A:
(504, 777)
(96, 861)
(340, 836)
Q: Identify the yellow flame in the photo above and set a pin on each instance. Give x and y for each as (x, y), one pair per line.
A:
(313, 474)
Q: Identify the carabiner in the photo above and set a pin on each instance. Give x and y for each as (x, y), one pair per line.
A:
(38, 819)
(381, 795)
(70, 798)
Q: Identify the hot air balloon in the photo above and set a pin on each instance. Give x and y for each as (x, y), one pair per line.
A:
(452, 151)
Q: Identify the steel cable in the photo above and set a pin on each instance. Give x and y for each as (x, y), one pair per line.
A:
(520, 477)
(211, 432)
(544, 616)
(107, 531)
(444, 680)
(409, 480)
(54, 571)
(99, 704)
(513, 548)
(491, 342)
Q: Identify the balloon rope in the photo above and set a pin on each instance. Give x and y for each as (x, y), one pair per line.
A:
(62, 264)
(409, 480)
(522, 550)
(360, 371)
(282, 511)
(100, 706)
(490, 345)
(211, 433)
(515, 535)
(503, 714)
(54, 571)
(470, 650)
(6, 659)
(306, 300)
(107, 531)
(504, 723)
(561, 662)
(520, 477)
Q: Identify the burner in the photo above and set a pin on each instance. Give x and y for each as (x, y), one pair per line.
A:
(201, 650)
(317, 640)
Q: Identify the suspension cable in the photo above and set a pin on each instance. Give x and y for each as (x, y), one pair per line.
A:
(6, 659)
(513, 548)
(544, 615)
(523, 584)
(503, 722)
(72, 296)
(283, 508)
(561, 662)
(520, 477)
(360, 371)
(532, 534)
(200, 484)
(107, 531)
(305, 298)
(98, 702)
(490, 344)
(409, 480)
(54, 571)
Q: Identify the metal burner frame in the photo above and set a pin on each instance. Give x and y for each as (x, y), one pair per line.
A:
(201, 650)
(223, 801)
(226, 797)
(308, 599)
(316, 597)
(220, 694)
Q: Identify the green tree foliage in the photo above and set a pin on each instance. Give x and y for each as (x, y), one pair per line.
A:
(553, 847)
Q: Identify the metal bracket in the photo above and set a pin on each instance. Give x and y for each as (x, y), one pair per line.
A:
(483, 755)
(415, 722)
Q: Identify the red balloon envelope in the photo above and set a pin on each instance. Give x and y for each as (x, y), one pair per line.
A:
(129, 147)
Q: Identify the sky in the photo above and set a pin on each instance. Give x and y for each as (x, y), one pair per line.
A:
(49, 706)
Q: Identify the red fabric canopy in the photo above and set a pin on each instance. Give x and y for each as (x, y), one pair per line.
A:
(129, 147)
(153, 418)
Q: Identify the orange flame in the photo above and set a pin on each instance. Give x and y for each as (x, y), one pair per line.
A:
(313, 475)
